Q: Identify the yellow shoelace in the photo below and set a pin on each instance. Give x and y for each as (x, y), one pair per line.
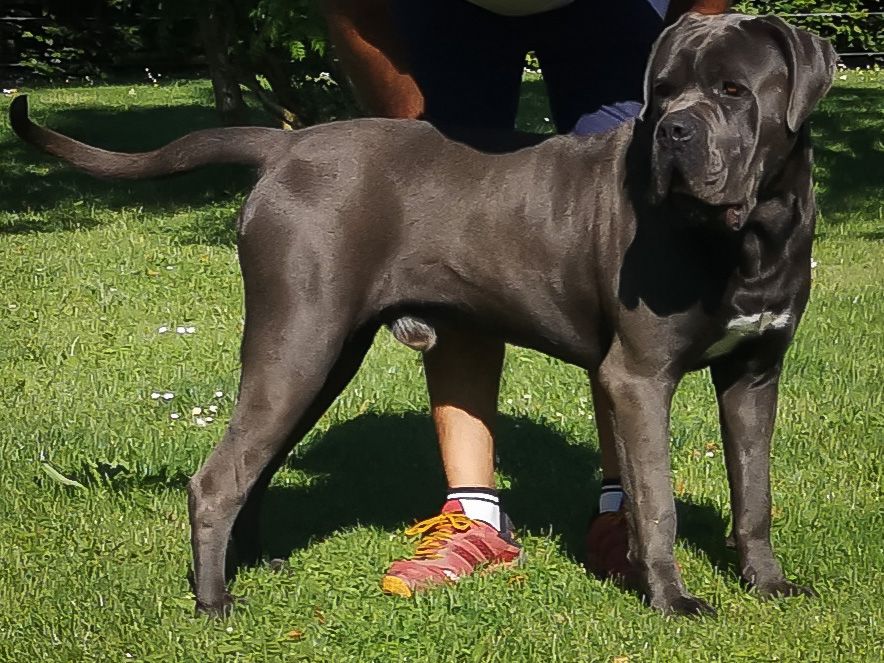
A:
(436, 531)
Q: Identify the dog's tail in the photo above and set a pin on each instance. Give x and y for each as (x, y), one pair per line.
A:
(250, 146)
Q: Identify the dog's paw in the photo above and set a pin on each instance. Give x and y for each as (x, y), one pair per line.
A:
(683, 605)
(278, 565)
(782, 588)
(221, 609)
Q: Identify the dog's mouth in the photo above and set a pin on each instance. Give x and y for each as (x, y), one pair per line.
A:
(672, 186)
(678, 183)
(695, 212)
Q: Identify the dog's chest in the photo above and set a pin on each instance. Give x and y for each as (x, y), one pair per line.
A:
(745, 327)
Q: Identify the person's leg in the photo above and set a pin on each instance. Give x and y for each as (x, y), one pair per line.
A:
(463, 66)
(607, 535)
(468, 69)
(466, 61)
(463, 378)
(593, 56)
(467, 65)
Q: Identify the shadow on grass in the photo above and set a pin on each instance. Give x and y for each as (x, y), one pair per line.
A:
(39, 187)
(116, 477)
(875, 235)
(848, 151)
(384, 471)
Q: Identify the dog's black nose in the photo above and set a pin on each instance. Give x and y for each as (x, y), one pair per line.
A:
(676, 130)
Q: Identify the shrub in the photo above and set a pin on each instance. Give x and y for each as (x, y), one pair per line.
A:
(858, 32)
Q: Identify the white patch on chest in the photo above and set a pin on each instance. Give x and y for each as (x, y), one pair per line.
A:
(744, 327)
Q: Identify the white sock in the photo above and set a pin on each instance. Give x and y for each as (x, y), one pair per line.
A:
(478, 504)
(612, 496)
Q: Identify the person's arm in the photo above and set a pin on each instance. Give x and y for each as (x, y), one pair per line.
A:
(679, 7)
(372, 57)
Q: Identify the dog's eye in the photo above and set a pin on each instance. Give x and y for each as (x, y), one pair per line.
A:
(731, 89)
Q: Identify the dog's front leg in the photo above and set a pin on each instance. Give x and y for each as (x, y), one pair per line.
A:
(640, 400)
(747, 402)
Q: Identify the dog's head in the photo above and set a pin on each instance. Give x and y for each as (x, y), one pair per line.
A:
(727, 95)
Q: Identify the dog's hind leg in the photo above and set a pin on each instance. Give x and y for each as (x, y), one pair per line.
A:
(246, 539)
(289, 376)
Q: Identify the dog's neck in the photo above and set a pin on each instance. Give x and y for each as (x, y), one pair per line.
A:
(757, 268)
(776, 193)
(783, 212)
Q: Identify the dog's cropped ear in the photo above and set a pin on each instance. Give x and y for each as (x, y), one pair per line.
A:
(811, 60)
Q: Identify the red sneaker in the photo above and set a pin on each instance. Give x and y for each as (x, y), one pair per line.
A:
(451, 546)
(607, 547)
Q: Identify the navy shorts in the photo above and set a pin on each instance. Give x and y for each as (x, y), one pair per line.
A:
(468, 62)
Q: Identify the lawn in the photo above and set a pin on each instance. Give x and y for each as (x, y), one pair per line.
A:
(91, 271)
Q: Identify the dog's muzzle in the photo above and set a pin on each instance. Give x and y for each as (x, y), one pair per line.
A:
(690, 172)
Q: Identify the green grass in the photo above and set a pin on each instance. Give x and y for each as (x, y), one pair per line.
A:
(90, 270)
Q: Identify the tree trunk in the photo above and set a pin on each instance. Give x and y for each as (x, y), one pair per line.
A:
(270, 65)
(225, 84)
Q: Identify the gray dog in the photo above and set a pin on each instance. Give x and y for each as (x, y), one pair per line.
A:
(664, 246)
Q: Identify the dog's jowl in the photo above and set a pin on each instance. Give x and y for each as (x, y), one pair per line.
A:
(666, 245)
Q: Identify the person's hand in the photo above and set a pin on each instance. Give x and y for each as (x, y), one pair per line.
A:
(679, 7)
(710, 6)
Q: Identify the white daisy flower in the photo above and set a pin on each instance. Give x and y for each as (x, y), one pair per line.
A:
(168, 396)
